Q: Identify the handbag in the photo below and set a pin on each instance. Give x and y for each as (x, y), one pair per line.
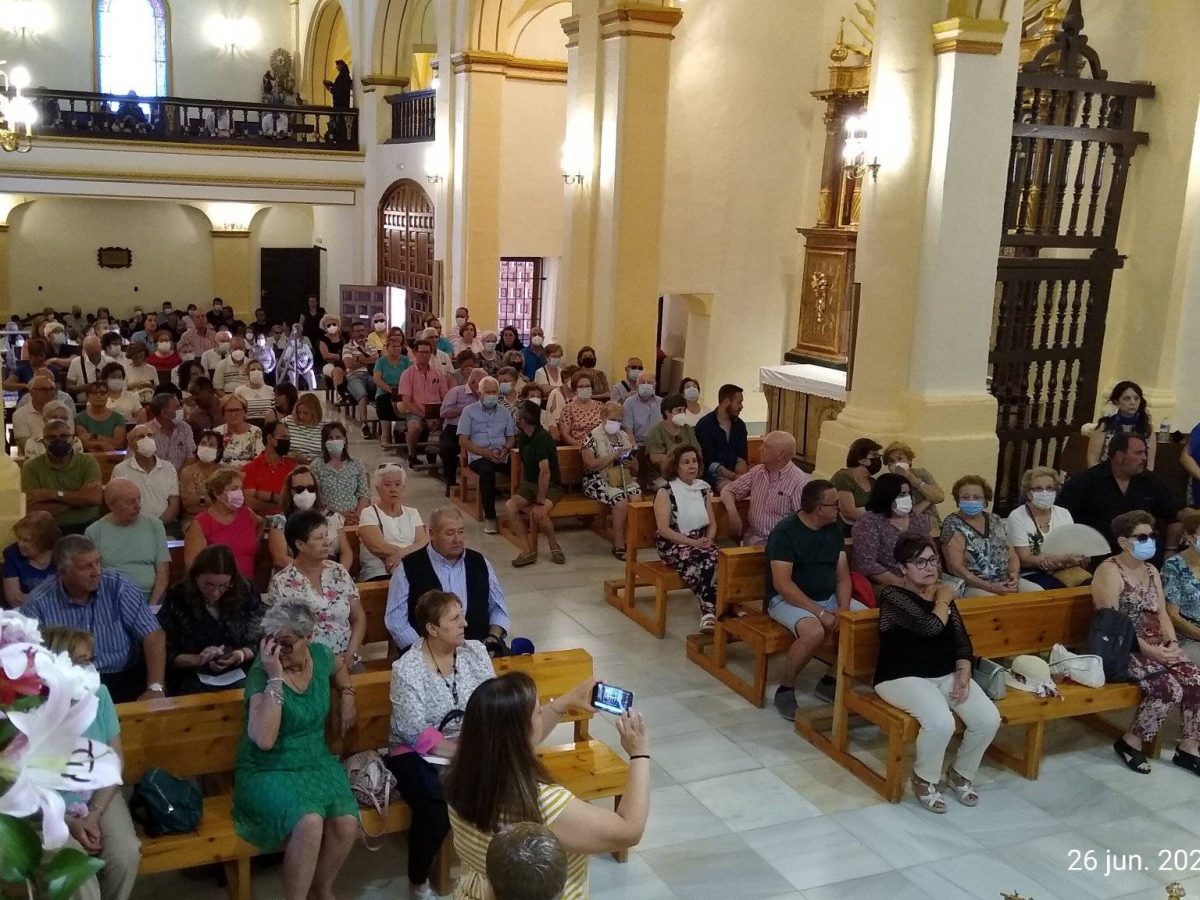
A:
(163, 804)
(1111, 638)
(989, 675)
(372, 785)
(1085, 669)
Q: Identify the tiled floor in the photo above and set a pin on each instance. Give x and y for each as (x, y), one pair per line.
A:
(742, 807)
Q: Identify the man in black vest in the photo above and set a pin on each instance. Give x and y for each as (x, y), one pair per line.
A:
(447, 565)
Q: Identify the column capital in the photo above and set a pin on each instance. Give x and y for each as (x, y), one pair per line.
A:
(516, 67)
(624, 18)
(963, 34)
(570, 27)
(479, 61)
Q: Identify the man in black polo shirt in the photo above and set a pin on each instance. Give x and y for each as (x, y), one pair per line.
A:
(1120, 485)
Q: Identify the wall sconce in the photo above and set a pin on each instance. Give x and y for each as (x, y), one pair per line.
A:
(25, 18)
(232, 34)
(572, 165)
(17, 112)
(433, 165)
(854, 150)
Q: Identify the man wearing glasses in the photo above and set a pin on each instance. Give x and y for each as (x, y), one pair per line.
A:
(808, 583)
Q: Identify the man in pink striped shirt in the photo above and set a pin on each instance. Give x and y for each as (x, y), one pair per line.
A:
(773, 487)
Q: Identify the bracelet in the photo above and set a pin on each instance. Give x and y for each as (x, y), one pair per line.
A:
(275, 693)
(274, 681)
(347, 690)
(639, 756)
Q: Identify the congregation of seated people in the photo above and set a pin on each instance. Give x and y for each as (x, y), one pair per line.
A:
(226, 449)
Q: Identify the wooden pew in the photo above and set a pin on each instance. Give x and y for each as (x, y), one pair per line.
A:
(999, 627)
(574, 503)
(378, 649)
(742, 618)
(466, 495)
(198, 735)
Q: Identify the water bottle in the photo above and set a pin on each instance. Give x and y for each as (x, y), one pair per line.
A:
(1164, 432)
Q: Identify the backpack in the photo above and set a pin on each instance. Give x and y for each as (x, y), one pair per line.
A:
(372, 785)
(163, 804)
(1111, 637)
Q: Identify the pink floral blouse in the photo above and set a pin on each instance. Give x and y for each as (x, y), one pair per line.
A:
(331, 606)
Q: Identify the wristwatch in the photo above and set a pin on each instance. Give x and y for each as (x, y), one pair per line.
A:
(60, 494)
(154, 688)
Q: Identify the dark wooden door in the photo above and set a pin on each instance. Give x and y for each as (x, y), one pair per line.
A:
(406, 247)
(1073, 138)
(290, 275)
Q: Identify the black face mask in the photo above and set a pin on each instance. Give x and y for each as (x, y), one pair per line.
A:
(60, 448)
(588, 362)
(283, 446)
(874, 464)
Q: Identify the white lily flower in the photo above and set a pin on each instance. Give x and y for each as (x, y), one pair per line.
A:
(80, 681)
(18, 629)
(14, 659)
(49, 755)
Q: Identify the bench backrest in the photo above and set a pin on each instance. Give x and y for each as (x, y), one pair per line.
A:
(741, 577)
(570, 467)
(754, 450)
(198, 734)
(641, 527)
(998, 626)
(373, 596)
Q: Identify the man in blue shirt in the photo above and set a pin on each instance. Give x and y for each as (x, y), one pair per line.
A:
(643, 410)
(723, 440)
(131, 649)
(487, 432)
(447, 565)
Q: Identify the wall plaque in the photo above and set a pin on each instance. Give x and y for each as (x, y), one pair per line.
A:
(114, 257)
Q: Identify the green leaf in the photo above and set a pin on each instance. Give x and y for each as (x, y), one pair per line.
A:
(67, 871)
(20, 849)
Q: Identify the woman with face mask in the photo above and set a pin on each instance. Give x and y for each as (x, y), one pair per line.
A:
(1029, 523)
(258, 396)
(610, 465)
(1128, 583)
(330, 347)
(487, 357)
(975, 544)
(467, 338)
(193, 496)
(121, 400)
(343, 480)
(550, 373)
(586, 358)
(226, 520)
(164, 358)
(888, 514)
(301, 492)
(535, 354)
(211, 621)
(582, 414)
(690, 389)
(854, 482)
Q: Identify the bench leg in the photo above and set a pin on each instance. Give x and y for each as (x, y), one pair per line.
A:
(1035, 738)
(896, 770)
(237, 879)
(660, 610)
(760, 676)
(620, 856)
(439, 875)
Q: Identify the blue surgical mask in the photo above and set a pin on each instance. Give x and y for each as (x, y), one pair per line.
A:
(489, 401)
(971, 507)
(645, 390)
(1144, 550)
(335, 446)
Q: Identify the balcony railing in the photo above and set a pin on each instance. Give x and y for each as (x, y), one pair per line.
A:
(80, 114)
(413, 115)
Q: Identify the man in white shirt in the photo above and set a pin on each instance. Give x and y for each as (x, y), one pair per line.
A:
(157, 478)
(441, 358)
(358, 357)
(212, 357)
(85, 368)
(27, 420)
(232, 371)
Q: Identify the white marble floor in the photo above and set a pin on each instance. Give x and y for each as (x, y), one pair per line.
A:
(742, 807)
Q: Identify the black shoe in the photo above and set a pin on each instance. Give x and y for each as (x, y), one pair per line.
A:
(826, 688)
(1185, 760)
(785, 703)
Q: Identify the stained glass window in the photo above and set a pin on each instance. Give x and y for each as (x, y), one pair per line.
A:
(132, 46)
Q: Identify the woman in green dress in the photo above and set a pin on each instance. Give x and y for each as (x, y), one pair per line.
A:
(289, 790)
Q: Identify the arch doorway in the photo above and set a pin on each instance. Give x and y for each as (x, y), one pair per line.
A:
(406, 248)
(328, 40)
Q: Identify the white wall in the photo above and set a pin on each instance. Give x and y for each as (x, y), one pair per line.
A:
(531, 185)
(63, 56)
(541, 37)
(53, 243)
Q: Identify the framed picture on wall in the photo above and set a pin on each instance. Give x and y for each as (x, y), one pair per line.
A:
(114, 257)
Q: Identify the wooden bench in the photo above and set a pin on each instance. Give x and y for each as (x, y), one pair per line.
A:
(378, 648)
(198, 735)
(106, 459)
(574, 503)
(999, 627)
(742, 618)
(640, 532)
(466, 495)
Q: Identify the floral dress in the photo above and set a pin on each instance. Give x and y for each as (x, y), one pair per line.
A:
(696, 566)
(1163, 686)
(240, 448)
(342, 487)
(985, 554)
(331, 606)
(614, 483)
(578, 419)
(1183, 589)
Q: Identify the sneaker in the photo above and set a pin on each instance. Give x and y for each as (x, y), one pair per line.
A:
(785, 702)
(708, 623)
(366, 432)
(826, 688)
(490, 527)
(421, 892)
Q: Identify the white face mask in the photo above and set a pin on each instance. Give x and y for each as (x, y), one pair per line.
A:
(489, 346)
(584, 393)
(903, 504)
(1044, 499)
(238, 356)
(304, 499)
(145, 446)
(460, 321)
(612, 427)
(116, 385)
(691, 394)
(164, 346)
(536, 340)
(206, 454)
(381, 327)
(222, 349)
(900, 464)
(679, 420)
(256, 377)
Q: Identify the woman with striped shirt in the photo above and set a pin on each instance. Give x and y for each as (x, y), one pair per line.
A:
(495, 779)
(304, 426)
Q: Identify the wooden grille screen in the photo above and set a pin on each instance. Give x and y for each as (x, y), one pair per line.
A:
(406, 247)
(1072, 141)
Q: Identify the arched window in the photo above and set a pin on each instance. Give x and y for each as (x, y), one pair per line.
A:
(131, 46)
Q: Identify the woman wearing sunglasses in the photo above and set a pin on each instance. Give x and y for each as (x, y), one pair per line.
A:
(924, 668)
(1129, 583)
(302, 492)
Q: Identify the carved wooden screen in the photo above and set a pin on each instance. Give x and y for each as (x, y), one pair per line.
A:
(1072, 141)
(406, 247)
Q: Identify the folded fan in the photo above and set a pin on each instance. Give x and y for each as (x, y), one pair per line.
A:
(1075, 540)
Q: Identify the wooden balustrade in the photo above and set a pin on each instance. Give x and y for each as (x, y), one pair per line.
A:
(413, 116)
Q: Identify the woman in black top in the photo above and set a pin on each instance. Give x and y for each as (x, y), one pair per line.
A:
(924, 668)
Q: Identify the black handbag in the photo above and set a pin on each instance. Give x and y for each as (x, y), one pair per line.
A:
(1111, 637)
(163, 804)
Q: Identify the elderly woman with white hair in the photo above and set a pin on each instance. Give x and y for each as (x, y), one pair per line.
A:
(290, 792)
(388, 530)
(1029, 524)
(610, 462)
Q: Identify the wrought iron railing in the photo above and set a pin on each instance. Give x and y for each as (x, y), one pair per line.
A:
(413, 116)
(81, 114)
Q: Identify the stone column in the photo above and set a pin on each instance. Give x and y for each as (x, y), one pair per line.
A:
(231, 270)
(940, 116)
(634, 66)
(475, 190)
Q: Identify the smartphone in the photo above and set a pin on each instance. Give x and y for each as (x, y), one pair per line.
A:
(610, 698)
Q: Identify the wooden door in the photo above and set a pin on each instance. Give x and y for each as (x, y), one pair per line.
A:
(360, 302)
(290, 275)
(406, 247)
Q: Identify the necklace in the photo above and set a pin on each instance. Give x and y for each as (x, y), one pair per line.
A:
(451, 686)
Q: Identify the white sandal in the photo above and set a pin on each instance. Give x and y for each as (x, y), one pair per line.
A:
(963, 789)
(928, 796)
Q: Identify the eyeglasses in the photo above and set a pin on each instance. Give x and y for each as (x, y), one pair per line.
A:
(1142, 538)
(922, 563)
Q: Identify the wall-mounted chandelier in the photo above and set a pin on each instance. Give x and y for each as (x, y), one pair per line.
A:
(17, 112)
